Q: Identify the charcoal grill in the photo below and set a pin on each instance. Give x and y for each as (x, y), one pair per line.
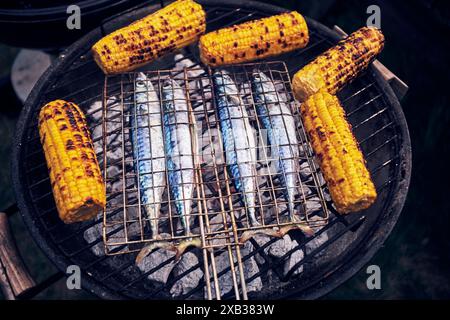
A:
(310, 268)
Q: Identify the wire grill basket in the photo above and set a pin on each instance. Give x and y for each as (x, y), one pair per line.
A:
(218, 216)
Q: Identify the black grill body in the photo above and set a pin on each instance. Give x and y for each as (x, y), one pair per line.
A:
(373, 110)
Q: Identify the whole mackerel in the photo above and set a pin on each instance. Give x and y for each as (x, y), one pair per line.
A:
(238, 140)
(148, 148)
(276, 118)
(179, 144)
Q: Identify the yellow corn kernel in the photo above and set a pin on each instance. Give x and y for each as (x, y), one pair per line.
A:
(254, 40)
(339, 65)
(75, 175)
(340, 159)
(168, 29)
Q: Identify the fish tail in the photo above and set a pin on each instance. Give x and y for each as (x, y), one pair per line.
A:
(183, 210)
(152, 215)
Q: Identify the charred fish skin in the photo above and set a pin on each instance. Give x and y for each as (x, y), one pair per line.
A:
(148, 148)
(238, 140)
(277, 119)
(178, 145)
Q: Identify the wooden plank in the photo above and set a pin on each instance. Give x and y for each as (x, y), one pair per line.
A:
(14, 277)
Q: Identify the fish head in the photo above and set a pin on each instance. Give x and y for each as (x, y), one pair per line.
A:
(224, 83)
(262, 84)
(174, 96)
(141, 81)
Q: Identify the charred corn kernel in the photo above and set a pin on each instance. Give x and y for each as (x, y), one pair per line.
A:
(339, 156)
(75, 175)
(254, 40)
(339, 65)
(172, 27)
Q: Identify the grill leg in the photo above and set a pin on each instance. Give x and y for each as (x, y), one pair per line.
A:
(14, 277)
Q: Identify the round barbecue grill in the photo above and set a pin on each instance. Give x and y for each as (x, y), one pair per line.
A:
(330, 257)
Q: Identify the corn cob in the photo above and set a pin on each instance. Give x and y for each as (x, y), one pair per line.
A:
(75, 176)
(339, 65)
(172, 27)
(339, 156)
(254, 40)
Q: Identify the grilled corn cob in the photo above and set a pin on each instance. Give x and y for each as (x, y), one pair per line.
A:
(340, 64)
(173, 27)
(75, 175)
(254, 40)
(339, 156)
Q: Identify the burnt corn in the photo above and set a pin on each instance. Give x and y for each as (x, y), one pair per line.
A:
(340, 159)
(254, 40)
(339, 65)
(75, 175)
(168, 29)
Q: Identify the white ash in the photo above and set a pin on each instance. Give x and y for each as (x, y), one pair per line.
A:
(305, 171)
(313, 205)
(217, 223)
(188, 281)
(193, 72)
(94, 111)
(318, 240)
(293, 259)
(279, 249)
(93, 234)
(154, 260)
(261, 240)
(182, 62)
(282, 92)
(304, 190)
(115, 233)
(113, 125)
(112, 171)
(250, 268)
(225, 280)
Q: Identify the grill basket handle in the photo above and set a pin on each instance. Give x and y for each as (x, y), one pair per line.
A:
(14, 277)
(399, 86)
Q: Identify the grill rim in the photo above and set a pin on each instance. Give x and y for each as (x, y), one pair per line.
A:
(344, 272)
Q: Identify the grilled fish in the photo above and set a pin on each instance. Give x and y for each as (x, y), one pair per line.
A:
(179, 147)
(148, 148)
(238, 140)
(276, 118)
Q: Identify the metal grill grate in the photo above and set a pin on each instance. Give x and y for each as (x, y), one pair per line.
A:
(334, 250)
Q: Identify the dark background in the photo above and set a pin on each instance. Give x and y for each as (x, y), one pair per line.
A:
(415, 260)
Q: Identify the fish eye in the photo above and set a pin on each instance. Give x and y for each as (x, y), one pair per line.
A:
(140, 83)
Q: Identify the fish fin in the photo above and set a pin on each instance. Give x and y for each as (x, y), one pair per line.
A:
(185, 244)
(154, 246)
(308, 231)
(247, 235)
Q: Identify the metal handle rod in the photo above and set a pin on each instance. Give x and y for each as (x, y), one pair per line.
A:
(399, 86)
